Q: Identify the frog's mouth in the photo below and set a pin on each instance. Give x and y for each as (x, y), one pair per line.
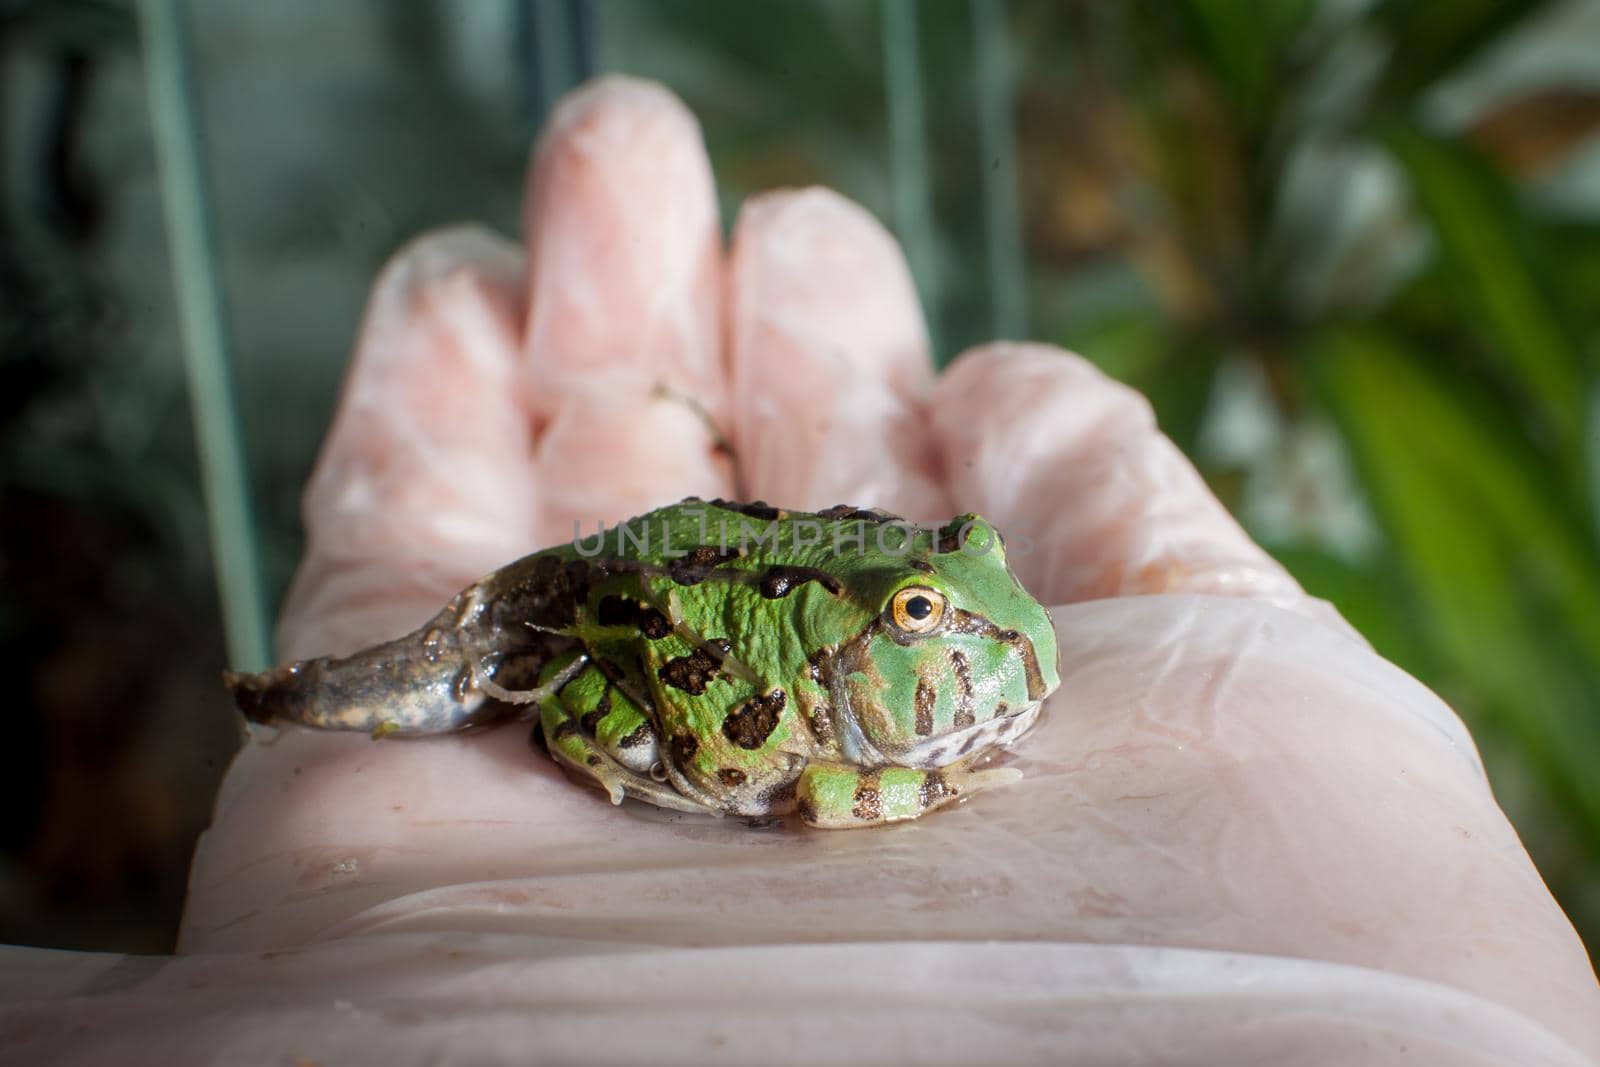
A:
(948, 748)
(938, 751)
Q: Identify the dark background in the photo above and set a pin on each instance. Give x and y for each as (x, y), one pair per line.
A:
(1350, 248)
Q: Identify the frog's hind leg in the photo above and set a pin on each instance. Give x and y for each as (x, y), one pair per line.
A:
(832, 796)
(607, 714)
(568, 745)
(602, 736)
(560, 672)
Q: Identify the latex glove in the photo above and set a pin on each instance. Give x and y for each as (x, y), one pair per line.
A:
(1240, 837)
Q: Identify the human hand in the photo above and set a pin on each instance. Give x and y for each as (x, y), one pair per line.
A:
(1227, 767)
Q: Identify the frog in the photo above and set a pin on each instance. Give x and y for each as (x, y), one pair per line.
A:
(723, 658)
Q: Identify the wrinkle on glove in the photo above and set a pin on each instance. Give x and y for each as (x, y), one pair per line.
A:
(516, 1000)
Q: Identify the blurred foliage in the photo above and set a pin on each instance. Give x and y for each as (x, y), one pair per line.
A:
(1432, 330)
(1317, 236)
(1431, 326)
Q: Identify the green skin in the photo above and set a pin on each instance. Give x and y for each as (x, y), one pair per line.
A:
(724, 658)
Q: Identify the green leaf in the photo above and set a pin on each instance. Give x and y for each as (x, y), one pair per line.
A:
(1430, 39)
(1498, 287)
(1245, 44)
(1180, 388)
(1575, 245)
(1501, 565)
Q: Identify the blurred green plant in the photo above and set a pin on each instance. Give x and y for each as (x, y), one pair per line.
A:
(1340, 199)
(1318, 235)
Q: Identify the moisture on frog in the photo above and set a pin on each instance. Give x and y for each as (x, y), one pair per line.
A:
(726, 658)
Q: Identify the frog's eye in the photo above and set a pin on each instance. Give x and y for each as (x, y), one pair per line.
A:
(916, 609)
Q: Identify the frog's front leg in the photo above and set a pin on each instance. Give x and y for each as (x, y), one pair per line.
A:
(833, 796)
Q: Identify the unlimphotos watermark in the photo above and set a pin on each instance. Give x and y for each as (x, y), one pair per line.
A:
(798, 535)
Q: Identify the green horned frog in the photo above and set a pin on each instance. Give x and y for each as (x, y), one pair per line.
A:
(726, 658)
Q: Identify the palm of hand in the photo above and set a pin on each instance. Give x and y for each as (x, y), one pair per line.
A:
(1227, 766)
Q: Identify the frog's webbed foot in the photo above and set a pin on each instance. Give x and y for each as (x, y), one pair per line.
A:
(833, 796)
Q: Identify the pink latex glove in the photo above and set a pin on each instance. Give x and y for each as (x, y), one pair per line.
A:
(1240, 837)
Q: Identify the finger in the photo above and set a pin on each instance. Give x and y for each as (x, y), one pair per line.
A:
(422, 483)
(1096, 500)
(830, 360)
(623, 346)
